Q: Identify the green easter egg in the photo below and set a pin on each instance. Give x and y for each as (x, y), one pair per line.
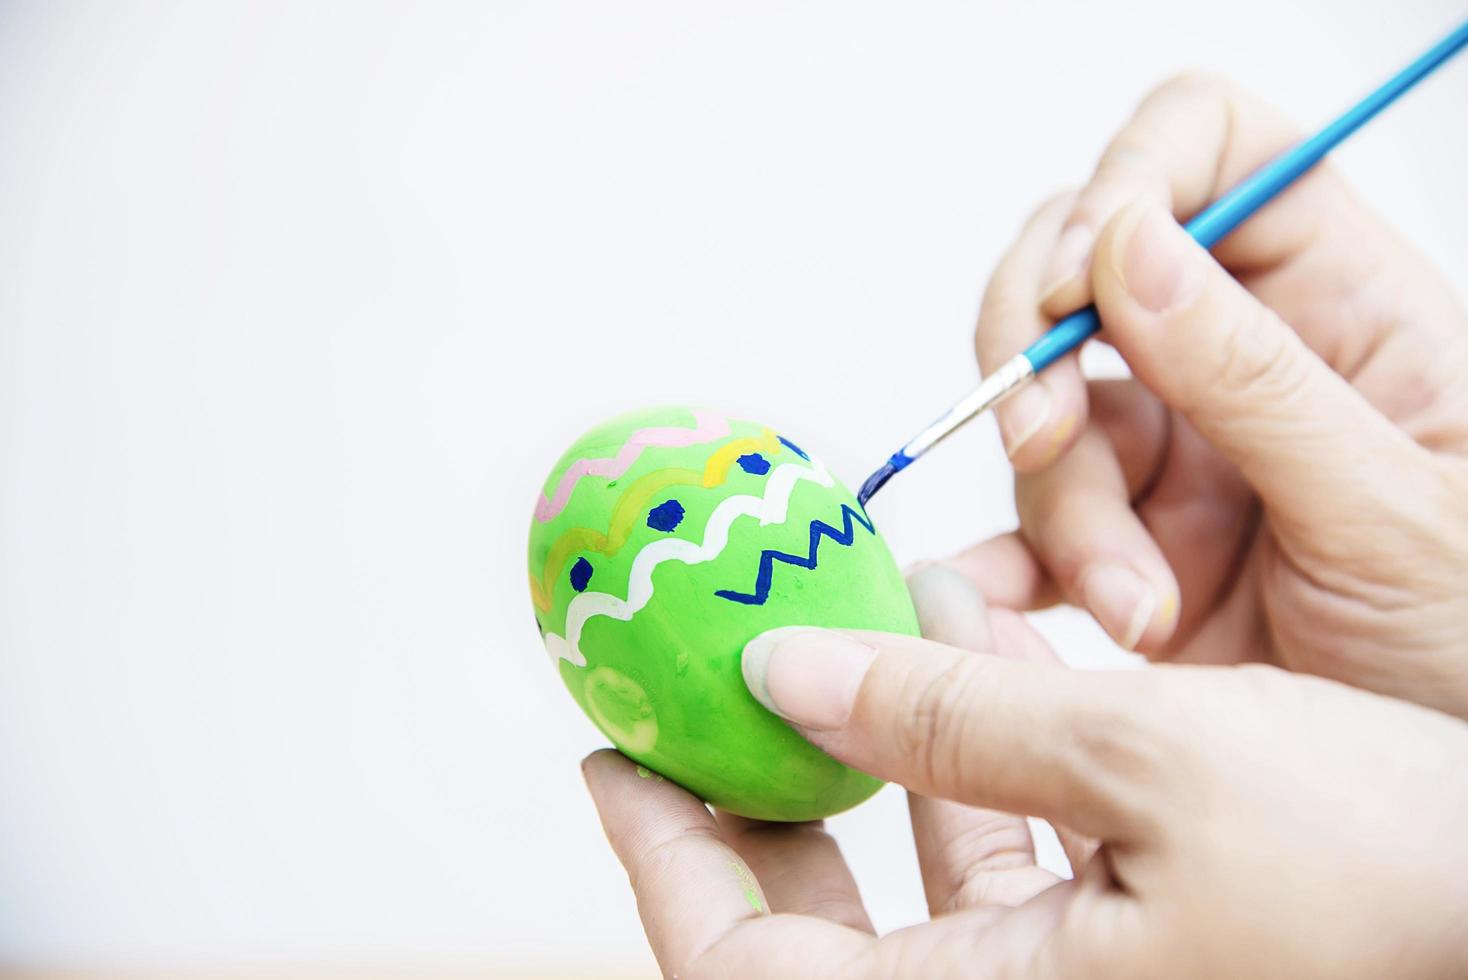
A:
(665, 540)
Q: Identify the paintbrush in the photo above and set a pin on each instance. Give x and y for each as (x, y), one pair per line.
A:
(1210, 226)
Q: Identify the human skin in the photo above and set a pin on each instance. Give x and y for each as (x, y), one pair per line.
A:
(1285, 483)
(1286, 477)
(1243, 821)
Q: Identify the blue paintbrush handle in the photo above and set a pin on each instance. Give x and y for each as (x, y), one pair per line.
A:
(1214, 222)
(1208, 228)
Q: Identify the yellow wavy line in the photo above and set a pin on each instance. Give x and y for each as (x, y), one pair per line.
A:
(633, 504)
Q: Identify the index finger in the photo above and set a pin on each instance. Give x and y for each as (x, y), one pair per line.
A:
(1038, 421)
(1188, 142)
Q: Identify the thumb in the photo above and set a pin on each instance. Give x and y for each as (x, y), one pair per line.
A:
(1301, 435)
(1084, 749)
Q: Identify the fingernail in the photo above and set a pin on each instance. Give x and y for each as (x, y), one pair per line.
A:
(1120, 600)
(949, 608)
(1059, 434)
(1023, 415)
(916, 567)
(1069, 260)
(806, 675)
(1168, 615)
(1160, 266)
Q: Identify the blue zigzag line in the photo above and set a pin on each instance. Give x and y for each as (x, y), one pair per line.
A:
(768, 557)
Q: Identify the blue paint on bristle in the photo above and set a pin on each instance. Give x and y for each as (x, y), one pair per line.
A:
(877, 480)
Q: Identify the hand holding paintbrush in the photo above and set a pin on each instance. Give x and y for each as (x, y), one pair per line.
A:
(1284, 478)
(1208, 227)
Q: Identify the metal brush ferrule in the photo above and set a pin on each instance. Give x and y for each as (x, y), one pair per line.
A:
(1011, 376)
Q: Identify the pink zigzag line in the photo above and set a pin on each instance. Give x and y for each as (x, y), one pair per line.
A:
(709, 426)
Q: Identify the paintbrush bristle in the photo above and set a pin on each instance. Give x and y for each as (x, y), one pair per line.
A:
(879, 479)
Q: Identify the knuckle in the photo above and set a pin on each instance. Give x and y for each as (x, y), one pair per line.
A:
(1255, 355)
(1135, 745)
(1118, 748)
(1131, 169)
(1190, 82)
(1053, 207)
(1005, 308)
(1008, 309)
(1127, 168)
(939, 709)
(1105, 197)
(664, 860)
(1045, 505)
(833, 905)
(998, 843)
(1002, 299)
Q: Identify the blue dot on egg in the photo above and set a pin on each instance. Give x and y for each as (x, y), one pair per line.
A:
(665, 516)
(580, 575)
(793, 448)
(754, 463)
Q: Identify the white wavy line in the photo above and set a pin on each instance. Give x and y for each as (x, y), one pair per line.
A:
(772, 508)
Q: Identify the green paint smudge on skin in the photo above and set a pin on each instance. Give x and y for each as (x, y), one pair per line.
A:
(645, 773)
(751, 892)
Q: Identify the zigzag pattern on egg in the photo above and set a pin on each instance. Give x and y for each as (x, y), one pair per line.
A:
(818, 529)
(770, 508)
(633, 504)
(637, 581)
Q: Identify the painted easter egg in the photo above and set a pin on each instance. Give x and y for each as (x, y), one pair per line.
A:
(666, 539)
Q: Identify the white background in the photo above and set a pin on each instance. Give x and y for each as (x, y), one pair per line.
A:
(297, 306)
